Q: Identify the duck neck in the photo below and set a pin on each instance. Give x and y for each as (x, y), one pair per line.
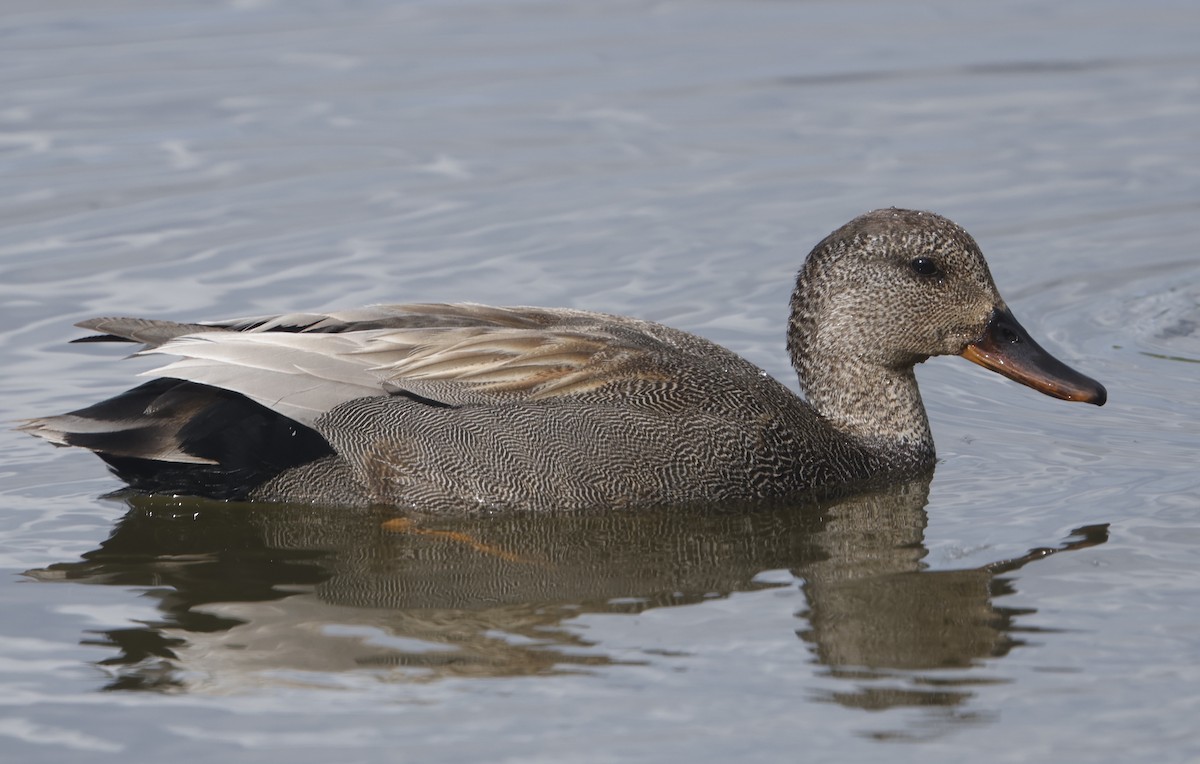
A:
(851, 378)
(880, 407)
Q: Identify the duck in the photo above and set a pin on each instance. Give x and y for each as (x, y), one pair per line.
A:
(475, 408)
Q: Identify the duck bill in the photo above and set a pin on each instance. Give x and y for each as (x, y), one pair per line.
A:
(1006, 348)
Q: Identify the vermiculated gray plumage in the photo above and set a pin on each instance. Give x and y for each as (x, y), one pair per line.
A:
(469, 407)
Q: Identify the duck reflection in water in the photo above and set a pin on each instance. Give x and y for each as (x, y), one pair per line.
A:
(250, 592)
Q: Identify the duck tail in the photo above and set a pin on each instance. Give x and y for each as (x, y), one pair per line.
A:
(173, 436)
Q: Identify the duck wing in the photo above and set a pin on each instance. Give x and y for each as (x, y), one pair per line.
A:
(154, 332)
(304, 365)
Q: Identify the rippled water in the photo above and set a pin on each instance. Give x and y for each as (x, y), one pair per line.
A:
(1035, 601)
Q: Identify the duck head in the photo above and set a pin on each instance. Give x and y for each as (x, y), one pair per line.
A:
(890, 289)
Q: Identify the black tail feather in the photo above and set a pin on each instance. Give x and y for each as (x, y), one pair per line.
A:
(172, 436)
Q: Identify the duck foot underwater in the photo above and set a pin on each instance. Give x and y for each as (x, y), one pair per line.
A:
(464, 407)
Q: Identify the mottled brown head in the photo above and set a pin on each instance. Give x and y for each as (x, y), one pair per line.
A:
(893, 287)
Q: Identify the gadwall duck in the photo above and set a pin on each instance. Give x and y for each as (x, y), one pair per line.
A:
(471, 407)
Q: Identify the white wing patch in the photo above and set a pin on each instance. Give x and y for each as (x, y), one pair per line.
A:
(300, 376)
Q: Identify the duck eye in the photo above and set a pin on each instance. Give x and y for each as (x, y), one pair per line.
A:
(926, 266)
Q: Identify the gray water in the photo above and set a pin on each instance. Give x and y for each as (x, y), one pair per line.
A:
(1036, 601)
